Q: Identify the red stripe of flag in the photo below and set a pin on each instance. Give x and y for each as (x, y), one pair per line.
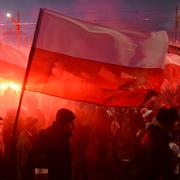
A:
(80, 79)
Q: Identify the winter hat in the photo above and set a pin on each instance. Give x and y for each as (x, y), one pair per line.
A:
(64, 116)
(167, 115)
(145, 112)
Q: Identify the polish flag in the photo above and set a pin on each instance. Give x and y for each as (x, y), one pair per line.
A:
(86, 62)
(171, 72)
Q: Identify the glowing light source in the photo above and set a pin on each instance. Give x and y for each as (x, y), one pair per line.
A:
(147, 19)
(11, 85)
(8, 15)
(16, 23)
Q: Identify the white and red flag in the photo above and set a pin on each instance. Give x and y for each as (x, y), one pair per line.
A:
(171, 72)
(81, 61)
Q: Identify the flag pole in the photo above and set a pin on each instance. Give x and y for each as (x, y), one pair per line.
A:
(25, 79)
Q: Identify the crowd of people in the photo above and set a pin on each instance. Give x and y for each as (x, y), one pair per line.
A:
(88, 138)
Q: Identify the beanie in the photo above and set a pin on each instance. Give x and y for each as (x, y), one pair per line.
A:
(167, 115)
(64, 116)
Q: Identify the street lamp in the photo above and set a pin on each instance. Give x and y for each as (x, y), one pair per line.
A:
(16, 23)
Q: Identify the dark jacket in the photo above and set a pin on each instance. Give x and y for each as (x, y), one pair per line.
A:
(56, 146)
(154, 159)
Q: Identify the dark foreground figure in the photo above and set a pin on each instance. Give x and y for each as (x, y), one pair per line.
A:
(55, 142)
(154, 160)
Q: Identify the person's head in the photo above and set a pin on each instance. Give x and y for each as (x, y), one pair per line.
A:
(65, 118)
(167, 116)
(147, 114)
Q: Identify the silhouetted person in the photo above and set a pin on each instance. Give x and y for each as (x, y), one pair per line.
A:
(147, 116)
(150, 102)
(154, 160)
(56, 145)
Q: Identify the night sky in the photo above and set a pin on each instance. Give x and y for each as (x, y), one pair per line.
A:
(138, 15)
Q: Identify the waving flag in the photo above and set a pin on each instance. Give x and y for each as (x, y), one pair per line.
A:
(81, 61)
(171, 71)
